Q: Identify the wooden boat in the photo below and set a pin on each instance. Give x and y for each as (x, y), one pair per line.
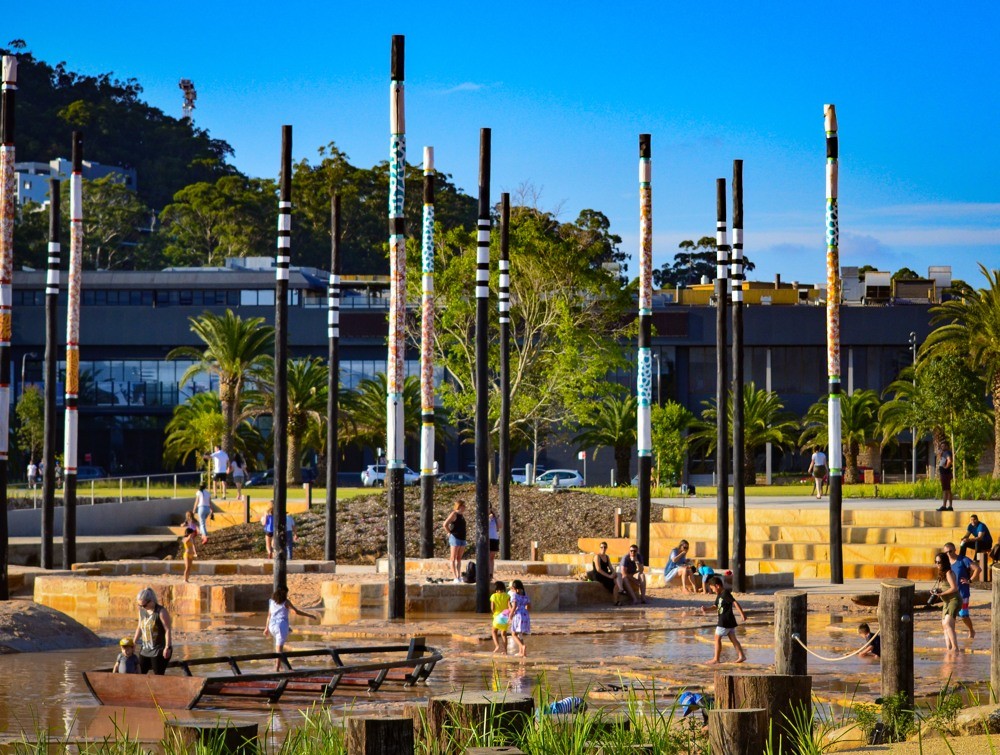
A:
(921, 599)
(317, 674)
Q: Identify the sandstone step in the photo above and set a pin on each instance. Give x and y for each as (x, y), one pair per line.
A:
(665, 536)
(780, 515)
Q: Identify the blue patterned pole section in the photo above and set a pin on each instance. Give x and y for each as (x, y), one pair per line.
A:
(644, 387)
(8, 191)
(482, 377)
(739, 434)
(397, 336)
(427, 364)
(333, 380)
(722, 383)
(833, 346)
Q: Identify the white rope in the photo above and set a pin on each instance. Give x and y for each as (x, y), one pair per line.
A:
(840, 658)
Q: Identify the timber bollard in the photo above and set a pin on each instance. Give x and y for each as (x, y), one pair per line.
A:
(246, 509)
(895, 623)
(779, 694)
(376, 735)
(215, 736)
(534, 551)
(790, 609)
(451, 718)
(995, 637)
(618, 522)
(737, 732)
(307, 486)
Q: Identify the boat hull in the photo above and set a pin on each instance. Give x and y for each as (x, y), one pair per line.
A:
(145, 690)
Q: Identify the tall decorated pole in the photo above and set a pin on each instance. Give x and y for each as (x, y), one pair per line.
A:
(51, 345)
(333, 381)
(739, 436)
(75, 279)
(482, 377)
(721, 382)
(833, 345)
(397, 342)
(503, 487)
(8, 190)
(427, 363)
(644, 386)
(282, 262)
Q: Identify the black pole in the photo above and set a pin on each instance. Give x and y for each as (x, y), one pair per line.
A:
(482, 378)
(503, 491)
(739, 439)
(721, 381)
(427, 429)
(51, 413)
(644, 386)
(282, 262)
(7, 213)
(396, 542)
(333, 381)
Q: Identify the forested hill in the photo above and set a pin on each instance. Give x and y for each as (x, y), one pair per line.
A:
(118, 127)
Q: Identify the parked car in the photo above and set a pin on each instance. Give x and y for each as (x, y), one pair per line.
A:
(374, 476)
(266, 479)
(517, 474)
(455, 478)
(87, 472)
(560, 478)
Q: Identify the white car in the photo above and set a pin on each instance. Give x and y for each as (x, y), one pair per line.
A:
(518, 477)
(560, 478)
(374, 476)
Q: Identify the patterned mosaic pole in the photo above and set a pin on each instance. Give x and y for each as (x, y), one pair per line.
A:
(833, 346)
(333, 381)
(51, 345)
(427, 364)
(722, 383)
(397, 341)
(482, 377)
(75, 279)
(644, 387)
(739, 439)
(503, 489)
(282, 262)
(8, 188)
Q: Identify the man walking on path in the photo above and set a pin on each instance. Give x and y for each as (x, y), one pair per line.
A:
(220, 471)
(966, 570)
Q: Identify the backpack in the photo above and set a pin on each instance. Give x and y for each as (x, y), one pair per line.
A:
(469, 573)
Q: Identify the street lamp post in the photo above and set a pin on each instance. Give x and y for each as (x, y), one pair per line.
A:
(24, 360)
(913, 430)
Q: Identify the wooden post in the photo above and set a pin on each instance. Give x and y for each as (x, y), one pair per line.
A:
(895, 621)
(482, 442)
(246, 509)
(451, 718)
(790, 608)
(618, 522)
(369, 735)
(333, 383)
(534, 551)
(739, 436)
(282, 262)
(778, 694)
(995, 637)
(503, 301)
(644, 383)
(737, 732)
(213, 736)
(721, 370)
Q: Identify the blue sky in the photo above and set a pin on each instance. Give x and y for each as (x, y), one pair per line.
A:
(567, 88)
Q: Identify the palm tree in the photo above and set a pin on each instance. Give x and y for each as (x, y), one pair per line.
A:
(307, 391)
(859, 426)
(234, 347)
(972, 325)
(197, 425)
(764, 421)
(613, 425)
(366, 414)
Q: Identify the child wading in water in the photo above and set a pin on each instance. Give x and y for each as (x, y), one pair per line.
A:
(499, 602)
(520, 622)
(277, 620)
(127, 661)
(724, 604)
(190, 552)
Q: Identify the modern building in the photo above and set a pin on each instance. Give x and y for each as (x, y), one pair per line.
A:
(131, 320)
(33, 177)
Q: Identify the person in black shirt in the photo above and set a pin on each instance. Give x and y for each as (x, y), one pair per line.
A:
(455, 528)
(875, 649)
(724, 605)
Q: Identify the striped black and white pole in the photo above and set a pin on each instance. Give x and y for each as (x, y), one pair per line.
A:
(644, 386)
(833, 345)
(739, 435)
(427, 363)
(282, 262)
(722, 383)
(74, 282)
(333, 380)
(503, 488)
(482, 377)
(397, 335)
(8, 211)
(51, 345)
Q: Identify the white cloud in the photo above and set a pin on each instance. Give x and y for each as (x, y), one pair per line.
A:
(465, 86)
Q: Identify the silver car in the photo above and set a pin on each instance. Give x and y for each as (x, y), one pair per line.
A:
(560, 478)
(374, 476)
